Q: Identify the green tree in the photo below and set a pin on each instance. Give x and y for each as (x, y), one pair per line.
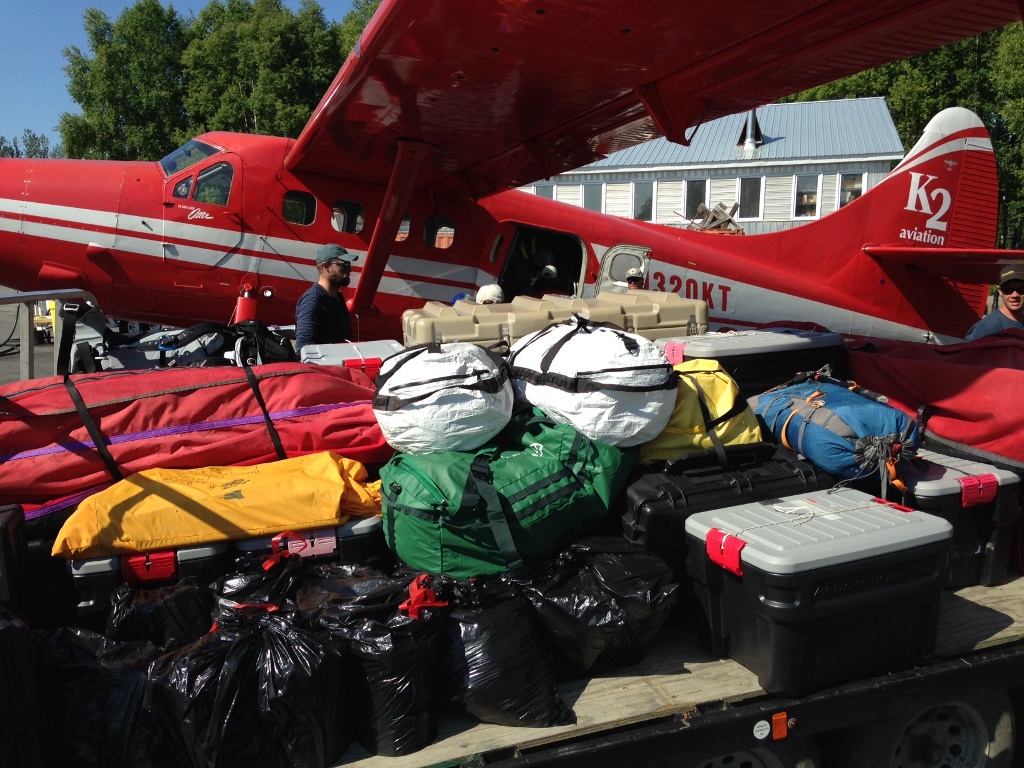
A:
(355, 21)
(1008, 79)
(257, 67)
(131, 90)
(32, 145)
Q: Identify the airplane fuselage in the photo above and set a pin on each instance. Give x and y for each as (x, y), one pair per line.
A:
(177, 241)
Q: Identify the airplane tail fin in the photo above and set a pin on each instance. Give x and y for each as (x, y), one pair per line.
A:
(938, 210)
(931, 224)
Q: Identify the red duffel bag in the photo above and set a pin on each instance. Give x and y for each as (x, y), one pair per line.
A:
(63, 436)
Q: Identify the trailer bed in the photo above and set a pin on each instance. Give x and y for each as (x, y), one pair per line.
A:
(678, 675)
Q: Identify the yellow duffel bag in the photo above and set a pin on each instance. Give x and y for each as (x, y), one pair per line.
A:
(169, 508)
(708, 409)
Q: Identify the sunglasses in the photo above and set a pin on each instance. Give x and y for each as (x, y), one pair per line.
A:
(1010, 288)
(343, 264)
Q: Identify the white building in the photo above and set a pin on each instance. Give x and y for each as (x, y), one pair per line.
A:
(782, 164)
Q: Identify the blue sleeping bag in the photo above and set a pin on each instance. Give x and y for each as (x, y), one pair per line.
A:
(842, 432)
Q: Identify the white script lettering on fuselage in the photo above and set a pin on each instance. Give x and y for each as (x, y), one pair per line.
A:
(195, 213)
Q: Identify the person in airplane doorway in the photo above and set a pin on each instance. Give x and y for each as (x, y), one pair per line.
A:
(1011, 313)
(635, 279)
(321, 316)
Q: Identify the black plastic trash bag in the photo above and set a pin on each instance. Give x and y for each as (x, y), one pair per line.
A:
(397, 645)
(94, 693)
(256, 691)
(641, 582)
(601, 603)
(262, 578)
(337, 594)
(169, 617)
(497, 665)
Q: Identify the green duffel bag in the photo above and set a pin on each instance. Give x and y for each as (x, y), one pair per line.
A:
(524, 494)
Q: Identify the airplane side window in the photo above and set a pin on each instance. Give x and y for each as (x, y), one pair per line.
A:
(182, 188)
(403, 229)
(439, 231)
(298, 208)
(214, 185)
(348, 216)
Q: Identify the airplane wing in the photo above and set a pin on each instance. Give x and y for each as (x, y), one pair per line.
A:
(501, 93)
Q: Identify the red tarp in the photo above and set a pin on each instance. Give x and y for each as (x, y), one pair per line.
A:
(177, 419)
(974, 390)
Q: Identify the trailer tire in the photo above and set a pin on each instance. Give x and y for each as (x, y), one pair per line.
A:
(970, 729)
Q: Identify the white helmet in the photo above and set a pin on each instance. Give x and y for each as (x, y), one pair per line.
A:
(490, 294)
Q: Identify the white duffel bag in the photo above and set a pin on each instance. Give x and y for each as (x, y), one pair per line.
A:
(612, 386)
(442, 397)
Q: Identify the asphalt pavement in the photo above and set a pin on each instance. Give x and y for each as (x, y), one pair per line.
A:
(10, 348)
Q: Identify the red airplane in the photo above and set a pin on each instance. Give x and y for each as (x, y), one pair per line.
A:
(412, 157)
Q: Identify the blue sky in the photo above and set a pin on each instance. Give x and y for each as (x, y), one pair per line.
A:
(33, 86)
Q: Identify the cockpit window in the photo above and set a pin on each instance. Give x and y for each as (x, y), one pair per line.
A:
(214, 185)
(187, 156)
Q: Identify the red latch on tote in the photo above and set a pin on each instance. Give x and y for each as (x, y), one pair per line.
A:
(368, 365)
(152, 566)
(724, 550)
(978, 489)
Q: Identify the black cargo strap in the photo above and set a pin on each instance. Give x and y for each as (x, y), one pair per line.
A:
(274, 437)
(99, 441)
(480, 487)
(711, 424)
(67, 337)
(490, 386)
(406, 355)
(485, 380)
(576, 384)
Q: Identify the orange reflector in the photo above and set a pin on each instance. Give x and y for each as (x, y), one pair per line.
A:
(780, 729)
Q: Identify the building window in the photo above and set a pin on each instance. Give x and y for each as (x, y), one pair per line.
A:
(643, 200)
(592, 197)
(545, 190)
(805, 204)
(750, 197)
(696, 195)
(851, 186)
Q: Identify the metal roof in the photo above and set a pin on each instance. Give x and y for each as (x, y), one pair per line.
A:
(809, 130)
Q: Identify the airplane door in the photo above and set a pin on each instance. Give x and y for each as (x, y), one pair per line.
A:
(203, 224)
(616, 262)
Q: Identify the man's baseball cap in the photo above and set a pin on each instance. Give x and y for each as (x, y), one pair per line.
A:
(490, 294)
(1011, 272)
(326, 253)
(635, 274)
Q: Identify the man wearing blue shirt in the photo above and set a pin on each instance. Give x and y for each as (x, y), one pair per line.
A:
(321, 316)
(1011, 312)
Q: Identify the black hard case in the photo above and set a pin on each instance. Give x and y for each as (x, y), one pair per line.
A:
(659, 500)
(20, 728)
(12, 554)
